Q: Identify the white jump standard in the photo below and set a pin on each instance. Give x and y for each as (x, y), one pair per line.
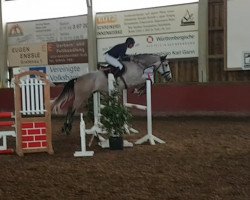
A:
(83, 151)
(149, 137)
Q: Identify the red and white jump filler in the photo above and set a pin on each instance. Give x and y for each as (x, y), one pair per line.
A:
(8, 118)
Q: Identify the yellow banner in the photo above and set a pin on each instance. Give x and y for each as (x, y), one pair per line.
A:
(27, 55)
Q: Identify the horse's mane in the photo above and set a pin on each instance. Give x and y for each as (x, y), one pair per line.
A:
(145, 59)
(143, 55)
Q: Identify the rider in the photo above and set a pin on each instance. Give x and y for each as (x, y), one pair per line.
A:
(113, 55)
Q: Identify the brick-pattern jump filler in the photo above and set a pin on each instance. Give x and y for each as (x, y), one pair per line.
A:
(32, 113)
(34, 135)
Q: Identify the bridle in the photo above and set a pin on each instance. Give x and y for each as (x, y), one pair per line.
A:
(162, 64)
(155, 68)
(165, 73)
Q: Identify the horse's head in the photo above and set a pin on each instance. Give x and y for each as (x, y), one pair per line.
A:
(160, 63)
(164, 69)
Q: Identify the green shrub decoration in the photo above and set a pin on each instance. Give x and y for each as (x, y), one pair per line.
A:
(114, 115)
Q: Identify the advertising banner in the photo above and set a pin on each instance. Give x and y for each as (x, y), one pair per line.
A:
(238, 34)
(174, 45)
(57, 47)
(170, 30)
(68, 52)
(27, 55)
(58, 73)
(47, 30)
(148, 21)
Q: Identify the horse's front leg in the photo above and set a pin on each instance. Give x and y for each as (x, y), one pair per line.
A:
(140, 90)
(67, 126)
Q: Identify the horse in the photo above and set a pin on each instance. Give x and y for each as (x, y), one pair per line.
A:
(80, 89)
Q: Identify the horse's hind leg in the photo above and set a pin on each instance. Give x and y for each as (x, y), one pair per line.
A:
(77, 105)
(67, 126)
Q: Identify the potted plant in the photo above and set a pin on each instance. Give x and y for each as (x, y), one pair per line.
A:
(114, 117)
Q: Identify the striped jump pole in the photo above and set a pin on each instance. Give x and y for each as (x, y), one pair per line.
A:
(7, 123)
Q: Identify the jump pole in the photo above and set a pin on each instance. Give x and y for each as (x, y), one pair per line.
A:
(149, 137)
(4, 134)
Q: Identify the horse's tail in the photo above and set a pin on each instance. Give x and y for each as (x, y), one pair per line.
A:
(66, 95)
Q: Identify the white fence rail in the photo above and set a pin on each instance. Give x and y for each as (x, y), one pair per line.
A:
(32, 96)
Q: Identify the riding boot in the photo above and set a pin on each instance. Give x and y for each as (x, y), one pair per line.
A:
(116, 72)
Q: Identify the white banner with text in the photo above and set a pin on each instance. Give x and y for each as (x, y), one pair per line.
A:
(170, 30)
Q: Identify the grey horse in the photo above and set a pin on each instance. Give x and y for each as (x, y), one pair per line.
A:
(80, 89)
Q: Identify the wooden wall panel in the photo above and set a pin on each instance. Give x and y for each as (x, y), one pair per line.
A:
(216, 43)
(216, 51)
(186, 70)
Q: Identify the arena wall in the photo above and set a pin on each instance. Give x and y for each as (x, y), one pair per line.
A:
(179, 100)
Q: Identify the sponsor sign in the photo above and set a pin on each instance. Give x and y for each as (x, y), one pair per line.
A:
(171, 30)
(49, 30)
(66, 39)
(148, 21)
(58, 73)
(238, 32)
(68, 52)
(57, 47)
(27, 55)
(64, 73)
(174, 45)
(246, 60)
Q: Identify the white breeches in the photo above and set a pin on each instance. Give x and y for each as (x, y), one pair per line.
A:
(113, 61)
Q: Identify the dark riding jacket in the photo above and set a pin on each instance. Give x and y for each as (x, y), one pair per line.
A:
(118, 50)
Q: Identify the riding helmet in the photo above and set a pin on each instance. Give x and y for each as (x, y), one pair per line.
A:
(130, 41)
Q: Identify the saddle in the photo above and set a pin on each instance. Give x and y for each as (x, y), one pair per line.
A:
(107, 68)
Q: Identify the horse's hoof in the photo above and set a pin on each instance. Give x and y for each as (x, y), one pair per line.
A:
(66, 130)
(135, 91)
(63, 130)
